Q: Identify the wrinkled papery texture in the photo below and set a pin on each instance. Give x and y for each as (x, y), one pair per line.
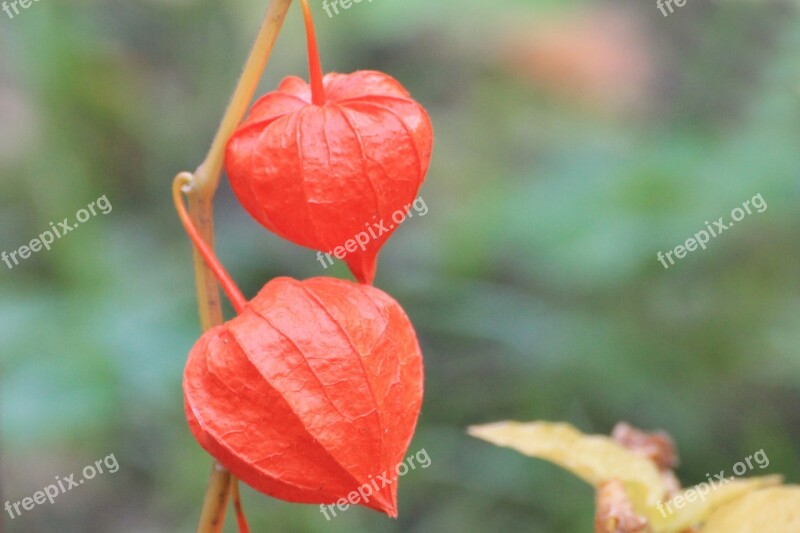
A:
(311, 392)
(320, 175)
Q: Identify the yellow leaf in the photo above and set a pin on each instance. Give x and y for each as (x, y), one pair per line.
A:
(772, 510)
(693, 506)
(593, 458)
(597, 459)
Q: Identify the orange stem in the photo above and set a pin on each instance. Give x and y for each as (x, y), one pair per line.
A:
(237, 506)
(183, 183)
(314, 65)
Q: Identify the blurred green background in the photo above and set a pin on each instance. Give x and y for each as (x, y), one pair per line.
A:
(574, 140)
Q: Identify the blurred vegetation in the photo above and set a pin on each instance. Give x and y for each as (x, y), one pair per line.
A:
(574, 141)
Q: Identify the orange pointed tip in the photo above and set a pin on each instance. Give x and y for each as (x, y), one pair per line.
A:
(385, 501)
(363, 266)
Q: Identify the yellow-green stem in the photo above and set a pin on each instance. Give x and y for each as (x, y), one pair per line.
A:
(201, 210)
(208, 173)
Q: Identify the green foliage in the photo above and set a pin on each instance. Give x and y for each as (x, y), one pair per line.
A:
(533, 280)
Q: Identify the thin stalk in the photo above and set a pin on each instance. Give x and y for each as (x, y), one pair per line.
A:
(208, 173)
(314, 66)
(183, 183)
(212, 517)
(201, 212)
(237, 506)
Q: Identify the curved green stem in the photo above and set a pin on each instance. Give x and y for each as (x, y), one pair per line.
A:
(201, 212)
